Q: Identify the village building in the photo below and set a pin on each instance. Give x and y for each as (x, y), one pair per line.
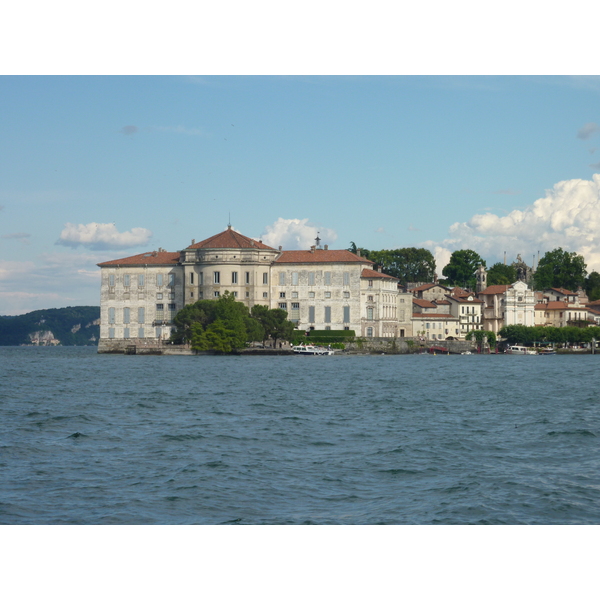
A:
(561, 308)
(319, 288)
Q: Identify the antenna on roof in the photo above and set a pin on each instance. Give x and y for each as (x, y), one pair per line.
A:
(229, 223)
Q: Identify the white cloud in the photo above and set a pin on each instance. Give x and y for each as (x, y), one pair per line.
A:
(568, 216)
(296, 234)
(587, 131)
(102, 236)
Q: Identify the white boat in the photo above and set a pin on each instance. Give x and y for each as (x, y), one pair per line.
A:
(310, 350)
(520, 350)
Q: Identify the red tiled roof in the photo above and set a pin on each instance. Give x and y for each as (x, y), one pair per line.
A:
(438, 302)
(321, 256)
(564, 291)
(370, 274)
(147, 258)
(495, 289)
(427, 286)
(423, 303)
(230, 239)
(428, 316)
(556, 305)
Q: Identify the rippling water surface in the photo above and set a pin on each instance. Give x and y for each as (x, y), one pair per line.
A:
(101, 439)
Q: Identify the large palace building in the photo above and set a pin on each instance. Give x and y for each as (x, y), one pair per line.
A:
(318, 287)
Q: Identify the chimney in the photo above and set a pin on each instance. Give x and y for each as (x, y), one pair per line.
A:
(326, 246)
(280, 248)
(358, 252)
(312, 249)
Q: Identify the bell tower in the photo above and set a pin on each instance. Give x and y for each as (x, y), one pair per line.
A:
(481, 276)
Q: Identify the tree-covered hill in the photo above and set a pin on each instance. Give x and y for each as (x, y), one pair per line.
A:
(71, 326)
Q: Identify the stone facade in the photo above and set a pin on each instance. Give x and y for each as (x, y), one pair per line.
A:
(319, 288)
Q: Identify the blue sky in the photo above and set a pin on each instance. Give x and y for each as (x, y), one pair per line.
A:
(101, 167)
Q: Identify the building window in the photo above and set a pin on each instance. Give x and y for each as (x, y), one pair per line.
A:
(265, 294)
(327, 277)
(327, 314)
(294, 294)
(160, 312)
(200, 294)
(370, 283)
(311, 279)
(191, 279)
(141, 280)
(295, 278)
(327, 328)
(369, 313)
(172, 311)
(158, 333)
(171, 279)
(346, 278)
(217, 294)
(311, 314)
(217, 277)
(200, 278)
(426, 325)
(111, 333)
(247, 294)
(346, 314)
(265, 278)
(235, 294)
(191, 294)
(369, 298)
(141, 315)
(283, 305)
(369, 332)
(327, 294)
(233, 277)
(111, 280)
(111, 315)
(282, 294)
(247, 277)
(159, 279)
(295, 314)
(141, 333)
(159, 296)
(311, 294)
(126, 280)
(126, 311)
(171, 296)
(346, 294)
(126, 333)
(281, 278)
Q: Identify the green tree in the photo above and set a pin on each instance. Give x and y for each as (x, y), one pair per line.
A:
(592, 286)
(274, 322)
(501, 274)
(407, 264)
(560, 269)
(202, 312)
(461, 268)
(363, 251)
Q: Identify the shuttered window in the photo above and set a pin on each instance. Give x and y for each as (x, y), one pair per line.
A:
(111, 315)
(233, 277)
(346, 278)
(346, 314)
(141, 314)
(311, 279)
(295, 278)
(327, 277)
(281, 278)
(159, 279)
(328, 314)
(141, 280)
(311, 314)
(111, 280)
(126, 311)
(141, 332)
(126, 280)
(295, 314)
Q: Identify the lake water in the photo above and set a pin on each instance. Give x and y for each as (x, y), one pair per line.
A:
(105, 439)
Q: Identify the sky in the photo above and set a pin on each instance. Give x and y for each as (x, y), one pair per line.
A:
(101, 167)
(386, 150)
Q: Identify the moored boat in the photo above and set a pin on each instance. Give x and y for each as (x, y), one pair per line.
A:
(521, 350)
(311, 350)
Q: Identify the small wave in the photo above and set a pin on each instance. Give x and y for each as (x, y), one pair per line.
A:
(182, 437)
(584, 432)
(399, 471)
(76, 435)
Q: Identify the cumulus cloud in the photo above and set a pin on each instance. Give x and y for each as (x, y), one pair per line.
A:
(129, 130)
(296, 234)
(587, 131)
(102, 236)
(568, 216)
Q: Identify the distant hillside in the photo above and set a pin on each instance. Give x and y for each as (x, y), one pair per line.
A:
(71, 326)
